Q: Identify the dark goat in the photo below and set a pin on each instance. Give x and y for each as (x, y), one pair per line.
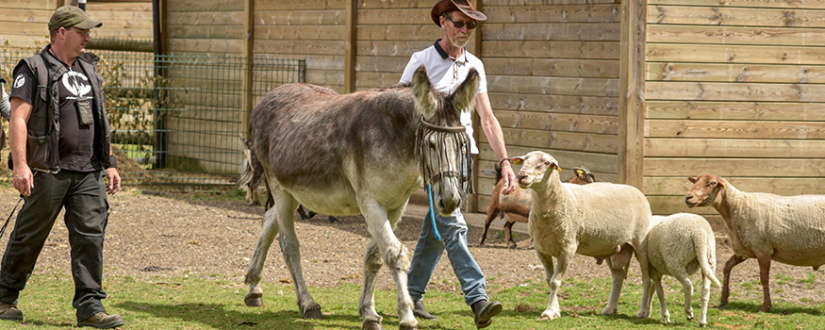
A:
(516, 205)
(251, 174)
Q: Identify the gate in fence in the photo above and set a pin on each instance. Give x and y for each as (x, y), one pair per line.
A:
(177, 119)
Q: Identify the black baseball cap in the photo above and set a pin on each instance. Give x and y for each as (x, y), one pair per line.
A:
(68, 16)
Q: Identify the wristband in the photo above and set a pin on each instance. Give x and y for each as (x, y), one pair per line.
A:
(501, 163)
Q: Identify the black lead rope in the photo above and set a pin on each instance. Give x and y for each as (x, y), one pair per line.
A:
(3, 230)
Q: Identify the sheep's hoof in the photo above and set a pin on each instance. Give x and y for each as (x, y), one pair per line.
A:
(702, 325)
(666, 319)
(611, 311)
(254, 300)
(372, 325)
(512, 245)
(689, 315)
(549, 316)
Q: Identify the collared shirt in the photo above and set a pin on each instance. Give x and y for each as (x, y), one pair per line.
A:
(446, 73)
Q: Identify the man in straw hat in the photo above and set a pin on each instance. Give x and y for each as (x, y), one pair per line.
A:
(447, 63)
(59, 137)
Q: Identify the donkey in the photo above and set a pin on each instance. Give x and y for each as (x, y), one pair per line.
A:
(359, 153)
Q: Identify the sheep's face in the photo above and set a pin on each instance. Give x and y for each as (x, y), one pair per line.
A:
(705, 190)
(536, 167)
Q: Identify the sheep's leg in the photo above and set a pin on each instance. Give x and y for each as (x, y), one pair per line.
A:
(366, 304)
(618, 269)
(687, 289)
(644, 265)
(508, 234)
(395, 256)
(492, 213)
(733, 261)
(703, 317)
(765, 278)
(660, 293)
(564, 258)
(552, 311)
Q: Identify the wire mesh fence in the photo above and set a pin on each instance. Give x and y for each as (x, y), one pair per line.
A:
(177, 119)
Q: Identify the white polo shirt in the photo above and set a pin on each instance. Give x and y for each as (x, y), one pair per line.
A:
(446, 73)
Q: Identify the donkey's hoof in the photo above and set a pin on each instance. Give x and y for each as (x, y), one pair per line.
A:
(313, 314)
(254, 300)
(372, 325)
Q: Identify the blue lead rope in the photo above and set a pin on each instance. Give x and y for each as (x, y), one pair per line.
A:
(432, 211)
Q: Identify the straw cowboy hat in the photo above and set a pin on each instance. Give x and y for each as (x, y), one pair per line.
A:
(463, 5)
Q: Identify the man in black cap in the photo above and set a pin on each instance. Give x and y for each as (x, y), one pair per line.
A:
(59, 138)
(447, 64)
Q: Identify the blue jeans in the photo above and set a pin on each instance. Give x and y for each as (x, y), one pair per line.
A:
(428, 252)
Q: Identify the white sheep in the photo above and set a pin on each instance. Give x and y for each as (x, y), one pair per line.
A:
(788, 229)
(679, 245)
(602, 220)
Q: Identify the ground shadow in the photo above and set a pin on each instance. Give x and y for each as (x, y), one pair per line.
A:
(776, 310)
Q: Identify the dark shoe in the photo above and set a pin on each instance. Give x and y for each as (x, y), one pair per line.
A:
(484, 311)
(420, 311)
(10, 312)
(102, 320)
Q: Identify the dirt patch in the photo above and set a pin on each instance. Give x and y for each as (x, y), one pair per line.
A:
(169, 235)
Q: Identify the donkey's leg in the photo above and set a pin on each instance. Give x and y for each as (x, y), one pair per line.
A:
(290, 248)
(366, 304)
(253, 275)
(380, 224)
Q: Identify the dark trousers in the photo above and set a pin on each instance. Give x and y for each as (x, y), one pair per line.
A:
(87, 211)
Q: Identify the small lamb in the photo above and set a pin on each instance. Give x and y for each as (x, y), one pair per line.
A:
(788, 229)
(516, 204)
(602, 220)
(679, 245)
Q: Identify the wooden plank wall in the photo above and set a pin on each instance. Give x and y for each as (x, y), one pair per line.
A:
(122, 20)
(552, 73)
(736, 89)
(24, 23)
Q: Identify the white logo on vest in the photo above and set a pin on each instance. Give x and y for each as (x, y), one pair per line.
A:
(19, 81)
(79, 86)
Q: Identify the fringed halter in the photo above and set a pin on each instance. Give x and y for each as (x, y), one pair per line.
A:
(442, 134)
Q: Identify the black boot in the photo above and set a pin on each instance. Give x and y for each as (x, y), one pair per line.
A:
(484, 311)
(420, 311)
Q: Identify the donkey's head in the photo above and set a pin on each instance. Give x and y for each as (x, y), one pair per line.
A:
(443, 146)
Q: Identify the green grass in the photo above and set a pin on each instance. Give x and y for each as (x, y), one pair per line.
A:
(215, 301)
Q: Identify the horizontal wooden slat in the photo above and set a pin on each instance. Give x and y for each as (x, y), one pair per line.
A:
(742, 35)
(423, 4)
(123, 6)
(742, 167)
(735, 110)
(205, 31)
(780, 186)
(551, 67)
(387, 64)
(25, 15)
(596, 162)
(205, 5)
(376, 80)
(819, 4)
(231, 46)
(554, 85)
(35, 42)
(324, 77)
(710, 91)
(734, 16)
(299, 17)
(299, 4)
(317, 62)
(551, 31)
(735, 129)
(809, 74)
(555, 103)
(391, 48)
(604, 143)
(664, 205)
(557, 49)
(578, 13)
(205, 18)
(300, 47)
(558, 122)
(490, 3)
(413, 16)
(487, 172)
(25, 29)
(657, 52)
(428, 32)
(299, 32)
(734, 148)
(29, 4)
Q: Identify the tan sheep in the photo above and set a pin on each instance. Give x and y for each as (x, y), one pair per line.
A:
(788, 229)
(679, 245)
(601, 220)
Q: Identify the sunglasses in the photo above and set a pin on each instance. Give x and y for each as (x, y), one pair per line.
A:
(79, 31)
(460, 24)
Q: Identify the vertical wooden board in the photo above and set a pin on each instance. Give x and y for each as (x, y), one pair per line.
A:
(632, 93)
(350, 52)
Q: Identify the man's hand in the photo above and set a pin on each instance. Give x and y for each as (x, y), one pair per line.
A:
(23, 179)
(509, 178)
(112, 181)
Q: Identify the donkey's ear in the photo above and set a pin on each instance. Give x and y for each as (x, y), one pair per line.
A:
(425, 101)
(465, 96)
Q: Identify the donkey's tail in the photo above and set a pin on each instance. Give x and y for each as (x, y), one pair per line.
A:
(246, 167)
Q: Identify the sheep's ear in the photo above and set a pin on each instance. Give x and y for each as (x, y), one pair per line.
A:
(723, 183)
(692, 180)
(517, 160)
(465, 96)
(580, 174)
(426, 103)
